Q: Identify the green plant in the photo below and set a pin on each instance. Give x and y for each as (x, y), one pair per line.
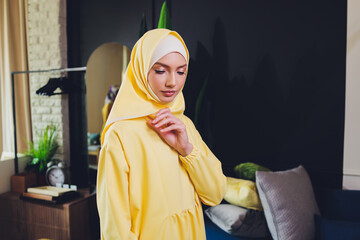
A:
(200, 100)
(165, 19)
(42, 152)
(143, 25)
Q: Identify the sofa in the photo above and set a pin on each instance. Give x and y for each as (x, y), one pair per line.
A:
(336, 214)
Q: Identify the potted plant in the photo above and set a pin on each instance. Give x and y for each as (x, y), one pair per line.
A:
(42, 152)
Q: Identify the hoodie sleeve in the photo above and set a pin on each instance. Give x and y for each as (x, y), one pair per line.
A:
(112, 191)
(204, 169)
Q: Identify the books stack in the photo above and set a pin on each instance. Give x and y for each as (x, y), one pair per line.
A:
(49, 194)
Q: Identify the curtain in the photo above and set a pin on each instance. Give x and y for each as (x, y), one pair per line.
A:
(13, 57)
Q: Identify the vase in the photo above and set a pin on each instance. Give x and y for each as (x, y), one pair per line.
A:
(20, 182)
(41, 179)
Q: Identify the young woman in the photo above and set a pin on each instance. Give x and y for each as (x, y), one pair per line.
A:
(154, 169)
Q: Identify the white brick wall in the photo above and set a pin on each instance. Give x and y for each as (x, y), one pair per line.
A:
(47, 49)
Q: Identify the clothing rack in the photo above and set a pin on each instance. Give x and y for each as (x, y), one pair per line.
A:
(76, 69)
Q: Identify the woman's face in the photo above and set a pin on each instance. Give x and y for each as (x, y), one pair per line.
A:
(167, 76)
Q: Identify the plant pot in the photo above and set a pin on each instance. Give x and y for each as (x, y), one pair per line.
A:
(20, 182)
(41, 180)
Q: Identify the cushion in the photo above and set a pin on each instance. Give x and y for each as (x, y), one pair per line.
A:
(213, 232)
(238, 221)
(248, 170)
(289, 203)
(333, 230)
(242, 193)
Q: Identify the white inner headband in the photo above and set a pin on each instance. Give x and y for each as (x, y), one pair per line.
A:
(169, 44)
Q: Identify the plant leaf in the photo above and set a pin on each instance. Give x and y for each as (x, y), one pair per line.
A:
(34, 161)
(165, 19)
(44, 150)
(143, 25)
(199, 100)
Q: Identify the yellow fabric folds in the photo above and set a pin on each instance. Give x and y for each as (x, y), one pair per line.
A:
(145, 189)
(134, 99)
(242, 193)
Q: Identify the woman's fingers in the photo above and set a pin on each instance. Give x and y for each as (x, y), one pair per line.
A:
(152, 126)
(166, 121)
(165, 112)
(170, 128)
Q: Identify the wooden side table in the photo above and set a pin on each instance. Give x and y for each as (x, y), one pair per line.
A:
(21, 219)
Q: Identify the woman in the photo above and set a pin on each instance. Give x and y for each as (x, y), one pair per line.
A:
(154, 169)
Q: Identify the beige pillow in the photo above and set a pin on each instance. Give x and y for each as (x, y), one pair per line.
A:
(242, 193)
(289, 203)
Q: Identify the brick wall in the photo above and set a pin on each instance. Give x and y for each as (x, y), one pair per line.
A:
(47, 49)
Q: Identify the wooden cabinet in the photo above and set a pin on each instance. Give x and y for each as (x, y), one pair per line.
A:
(76, 220)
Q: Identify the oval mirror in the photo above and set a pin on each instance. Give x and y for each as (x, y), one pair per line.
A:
(104, 69)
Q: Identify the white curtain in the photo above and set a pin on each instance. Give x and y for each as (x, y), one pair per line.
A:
(13, 57)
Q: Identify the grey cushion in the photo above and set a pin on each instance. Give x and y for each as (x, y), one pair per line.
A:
(289, 203)
(238, 221)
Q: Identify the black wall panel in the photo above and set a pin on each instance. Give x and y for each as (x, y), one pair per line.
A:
(275, 70)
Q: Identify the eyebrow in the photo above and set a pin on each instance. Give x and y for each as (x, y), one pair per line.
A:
(167, 66)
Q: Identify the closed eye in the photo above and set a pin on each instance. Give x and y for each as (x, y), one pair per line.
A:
(181, 73)
(159, 71)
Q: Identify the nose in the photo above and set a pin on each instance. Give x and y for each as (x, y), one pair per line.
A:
(171, 81)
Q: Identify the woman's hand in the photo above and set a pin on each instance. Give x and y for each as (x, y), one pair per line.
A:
(172, 130)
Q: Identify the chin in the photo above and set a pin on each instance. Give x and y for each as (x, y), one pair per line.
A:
(166, 101)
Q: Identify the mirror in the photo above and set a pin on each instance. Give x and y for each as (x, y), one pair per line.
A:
(105, 68)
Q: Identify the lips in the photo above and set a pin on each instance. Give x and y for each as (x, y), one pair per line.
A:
(168, 93)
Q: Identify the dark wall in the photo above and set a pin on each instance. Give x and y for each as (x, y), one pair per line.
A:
(275, 73)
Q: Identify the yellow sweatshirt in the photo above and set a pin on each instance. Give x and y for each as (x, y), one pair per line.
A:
(147, 191)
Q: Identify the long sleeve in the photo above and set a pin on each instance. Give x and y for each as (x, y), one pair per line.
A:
(112, 192)
(204, 169)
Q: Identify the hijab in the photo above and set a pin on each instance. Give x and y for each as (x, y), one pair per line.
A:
(135, 98)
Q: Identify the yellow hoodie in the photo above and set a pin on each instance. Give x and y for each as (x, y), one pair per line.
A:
(145, 189)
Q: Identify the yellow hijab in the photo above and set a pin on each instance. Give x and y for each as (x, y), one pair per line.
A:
(134, 99)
